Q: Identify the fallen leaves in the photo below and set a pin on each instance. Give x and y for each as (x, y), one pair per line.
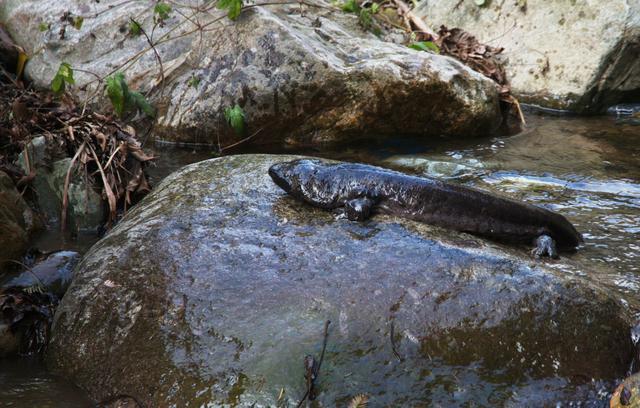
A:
(28, 312)
(464, 47)
(480, 57)
(104, 150)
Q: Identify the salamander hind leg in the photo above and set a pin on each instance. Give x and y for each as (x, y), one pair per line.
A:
(358, 209)
(545, 246)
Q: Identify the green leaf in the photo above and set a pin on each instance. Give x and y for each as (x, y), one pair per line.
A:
(162, 11)
(62, 77)
(365, 18)
(236, 119)
(117, 92)
(375, 7)
(57, 85)
(140, 102)
(425, 46)
(194, 81)
(135, 29)
(234, 7)
(77, 22)
(350, 6)
(123, 99)
(43, 27)
(66, 72)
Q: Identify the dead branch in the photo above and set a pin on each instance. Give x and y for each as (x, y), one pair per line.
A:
(417, 21)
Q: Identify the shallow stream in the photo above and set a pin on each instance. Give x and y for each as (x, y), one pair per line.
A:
(586, 168)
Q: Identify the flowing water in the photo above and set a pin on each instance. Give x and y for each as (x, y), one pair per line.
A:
(586, 168)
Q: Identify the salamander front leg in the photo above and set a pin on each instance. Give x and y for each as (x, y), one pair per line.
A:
(358, 209)
(545, 246)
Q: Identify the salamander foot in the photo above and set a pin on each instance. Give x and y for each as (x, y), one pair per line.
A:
(545, 246)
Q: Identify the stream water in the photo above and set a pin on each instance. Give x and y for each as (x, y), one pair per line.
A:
(586, 168)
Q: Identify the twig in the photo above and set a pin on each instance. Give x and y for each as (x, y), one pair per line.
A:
(114, 154)
(393, 342)
(30, 270)
(109, 8)
(246, 139)
(166, 36)
(65, 192)
(6, 74)
(155, 51)
(316, 369)
(324, 342)
(417, 21)
(111, 198)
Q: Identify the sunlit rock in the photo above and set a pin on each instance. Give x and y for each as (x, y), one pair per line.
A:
(576, 55)
(305, 79)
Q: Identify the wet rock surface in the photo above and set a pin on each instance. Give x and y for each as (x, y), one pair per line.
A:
(216, 286)
(17, 222)
(300, 79)
(550, 61)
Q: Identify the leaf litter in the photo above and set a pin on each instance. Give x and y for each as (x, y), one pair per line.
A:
(100, 146)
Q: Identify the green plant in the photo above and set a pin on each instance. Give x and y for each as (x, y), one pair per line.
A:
(43, 27)
(350, 6)
(77, 21)
(135, 29)
(194, 81)
(233, 7)
(236, 119)
(123, 99)
(161, 11)
(365, 14)
(63, 76)
(427, 46)
(365, 17)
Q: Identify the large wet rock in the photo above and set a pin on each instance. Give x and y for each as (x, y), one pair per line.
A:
(577, 55)
(17, 222)
(214, 288)
(302, 79)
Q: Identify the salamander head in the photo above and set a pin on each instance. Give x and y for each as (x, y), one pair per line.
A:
(301, 179)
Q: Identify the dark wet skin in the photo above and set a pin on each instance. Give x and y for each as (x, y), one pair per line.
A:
(361, 191)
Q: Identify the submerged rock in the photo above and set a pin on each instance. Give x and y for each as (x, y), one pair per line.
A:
(434, 168)
(301, 79)
(27, 300)
(53, 274)
(214, 288)
(17, 222)
(580, 56)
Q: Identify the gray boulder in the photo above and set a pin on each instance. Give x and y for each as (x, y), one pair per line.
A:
(300, 79)
(576, 55)
(213, 289)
